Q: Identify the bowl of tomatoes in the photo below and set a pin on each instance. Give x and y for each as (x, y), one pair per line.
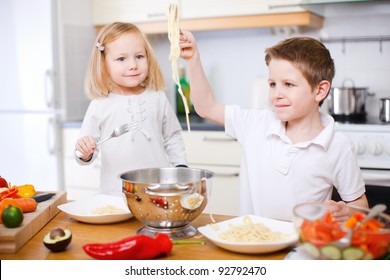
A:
(323, 237)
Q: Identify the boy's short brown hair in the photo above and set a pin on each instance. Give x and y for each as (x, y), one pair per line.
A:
(308, 55)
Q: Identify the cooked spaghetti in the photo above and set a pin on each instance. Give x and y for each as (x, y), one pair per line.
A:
(174, 37)
(250, 232)
(107, 209)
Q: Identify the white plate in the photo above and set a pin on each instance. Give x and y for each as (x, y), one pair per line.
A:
(81, 210)
(212, 232)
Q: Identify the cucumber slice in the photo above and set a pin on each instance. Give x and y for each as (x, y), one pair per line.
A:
(353, 253)
(331, 252)
(312, 250)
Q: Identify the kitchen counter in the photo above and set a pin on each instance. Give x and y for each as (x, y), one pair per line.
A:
(196, 123)
(83, 233)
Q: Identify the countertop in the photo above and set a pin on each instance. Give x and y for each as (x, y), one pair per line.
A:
(196, 123)
(83, 233)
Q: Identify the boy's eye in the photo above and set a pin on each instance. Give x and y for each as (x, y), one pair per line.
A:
(289, 85)
(272, 85)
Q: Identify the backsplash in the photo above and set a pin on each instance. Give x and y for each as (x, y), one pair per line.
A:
(233, 59)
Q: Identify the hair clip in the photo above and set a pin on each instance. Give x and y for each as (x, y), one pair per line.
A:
(100, 46)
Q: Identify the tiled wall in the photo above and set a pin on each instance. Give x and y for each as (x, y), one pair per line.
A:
(234, 58)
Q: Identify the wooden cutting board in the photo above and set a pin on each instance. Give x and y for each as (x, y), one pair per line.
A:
(12, 239)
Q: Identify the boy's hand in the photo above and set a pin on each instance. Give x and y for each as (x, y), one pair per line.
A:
(340, 210)
(86, 145)
(187, 45)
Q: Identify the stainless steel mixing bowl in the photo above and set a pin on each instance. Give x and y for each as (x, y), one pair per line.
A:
(166, 200)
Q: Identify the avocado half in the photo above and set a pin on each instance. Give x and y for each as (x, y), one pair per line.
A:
(58, 239)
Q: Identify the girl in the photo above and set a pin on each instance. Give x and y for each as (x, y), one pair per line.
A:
(125, 84)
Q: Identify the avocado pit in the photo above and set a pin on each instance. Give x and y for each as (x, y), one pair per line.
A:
(58, 239)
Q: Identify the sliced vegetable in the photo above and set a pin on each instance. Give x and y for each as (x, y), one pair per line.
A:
(353, 253)
(8, 194)
(312, 250)
(331, 252)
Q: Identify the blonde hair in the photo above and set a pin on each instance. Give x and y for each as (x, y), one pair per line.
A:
(97, 81)
(308, 55)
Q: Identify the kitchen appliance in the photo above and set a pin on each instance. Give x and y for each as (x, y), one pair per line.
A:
(166, 200)
(348, 103)
(372, 143)
(40, 87)
(384, 109)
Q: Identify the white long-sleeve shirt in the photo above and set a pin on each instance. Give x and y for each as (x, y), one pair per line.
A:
(156, 143)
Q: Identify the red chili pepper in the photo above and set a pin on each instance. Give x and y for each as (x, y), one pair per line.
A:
(159, 201)
(137, 247)
(8, 193)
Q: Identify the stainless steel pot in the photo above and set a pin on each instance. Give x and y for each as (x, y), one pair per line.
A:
(348, 100)
(384, 109)
(167, 199)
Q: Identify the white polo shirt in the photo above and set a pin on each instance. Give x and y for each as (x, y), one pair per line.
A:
(277, 174)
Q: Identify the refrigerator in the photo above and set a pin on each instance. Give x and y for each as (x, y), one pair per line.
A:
(44, 52)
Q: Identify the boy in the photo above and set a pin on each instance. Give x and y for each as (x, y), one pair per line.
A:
(291, 154)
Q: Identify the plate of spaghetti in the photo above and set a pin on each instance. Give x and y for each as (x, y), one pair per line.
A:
(98, 209)
(251, 234)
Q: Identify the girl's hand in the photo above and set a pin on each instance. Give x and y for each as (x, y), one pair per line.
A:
(187, 45)
(86, 145)
(340, 210)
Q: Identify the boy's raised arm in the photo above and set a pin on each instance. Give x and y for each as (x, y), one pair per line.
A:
(201, 93)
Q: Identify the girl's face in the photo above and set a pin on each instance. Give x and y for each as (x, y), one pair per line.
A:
(290, 94)
(127, 63)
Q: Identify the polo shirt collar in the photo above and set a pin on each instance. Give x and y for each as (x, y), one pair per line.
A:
(278, 128)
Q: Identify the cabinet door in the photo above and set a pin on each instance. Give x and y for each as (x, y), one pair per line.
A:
(192, 9)
(224, 193)
(105, 12)
(211, 147)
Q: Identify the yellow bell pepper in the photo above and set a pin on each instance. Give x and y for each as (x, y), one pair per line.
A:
(27, 190)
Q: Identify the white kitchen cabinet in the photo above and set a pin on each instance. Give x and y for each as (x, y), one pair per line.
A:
(105, 12)
(214, 151)
(199, 15)
(226, 8)
(80, 180)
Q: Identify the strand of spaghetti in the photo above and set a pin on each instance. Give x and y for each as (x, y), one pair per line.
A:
(174, 37)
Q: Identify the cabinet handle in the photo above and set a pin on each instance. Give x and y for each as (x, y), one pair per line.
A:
(156, 15)
(218, 139)
(236, 174)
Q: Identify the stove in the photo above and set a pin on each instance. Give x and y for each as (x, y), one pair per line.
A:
(372, 142)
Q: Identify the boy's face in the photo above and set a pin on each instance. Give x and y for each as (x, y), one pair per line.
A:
(290, 94)
(127, 63)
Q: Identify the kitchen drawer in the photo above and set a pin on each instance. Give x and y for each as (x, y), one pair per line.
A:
(211, 147)
(224, 193)
(86, 176)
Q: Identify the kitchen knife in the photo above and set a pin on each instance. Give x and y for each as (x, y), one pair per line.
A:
(42, 197)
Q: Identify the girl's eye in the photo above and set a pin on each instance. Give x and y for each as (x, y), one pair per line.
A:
(272, 85)
(121, 59)
(140, 56)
